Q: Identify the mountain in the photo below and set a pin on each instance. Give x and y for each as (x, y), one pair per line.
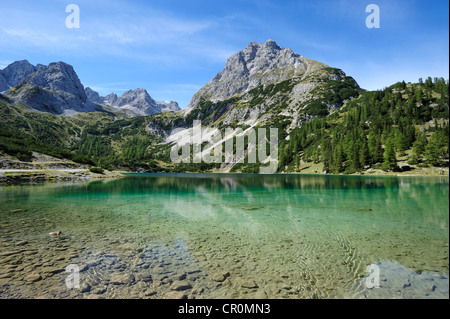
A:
(171, 106)
(14, 73)
(256, 65)
(55, 88)
(134, 102)
(266, 81)
(408, 119)
(326, 122)
(110, 99)
(3, 84)
(93, 96)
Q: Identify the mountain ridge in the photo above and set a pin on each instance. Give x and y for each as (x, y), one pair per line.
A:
(253, 66)
(265, 82)
(325, 121)
(139, 102)
(15, 72)
(57, 89)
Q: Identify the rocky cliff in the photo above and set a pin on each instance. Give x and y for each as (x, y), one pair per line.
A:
(14, 73)
(137, 103)
(266, 83)
(93, 96)
(3, 84)
(55, 88)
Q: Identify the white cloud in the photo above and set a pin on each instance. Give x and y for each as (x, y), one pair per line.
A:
(148, 35)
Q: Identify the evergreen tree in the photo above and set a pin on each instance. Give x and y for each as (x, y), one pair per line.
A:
(419, 146)
(438, 146)
(375, 150)
(403, 85)
(401, 143)
(419, 96)
(364, 155)
(355, 156)
(429, 83)
(338, 159)
(390, 159)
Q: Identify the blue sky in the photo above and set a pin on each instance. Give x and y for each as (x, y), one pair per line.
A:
(172, 47)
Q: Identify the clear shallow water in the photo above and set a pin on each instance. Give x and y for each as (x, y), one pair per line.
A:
(227, 236)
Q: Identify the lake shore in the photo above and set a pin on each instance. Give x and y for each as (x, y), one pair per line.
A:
(11, 176)
(405, 170)
(45, 168)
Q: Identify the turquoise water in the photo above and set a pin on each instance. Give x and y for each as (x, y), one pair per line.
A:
(227, 236)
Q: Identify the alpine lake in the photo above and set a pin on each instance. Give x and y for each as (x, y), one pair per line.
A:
(231, 236)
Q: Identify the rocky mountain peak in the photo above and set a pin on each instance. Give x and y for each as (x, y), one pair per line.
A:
(272, 44)
(264, 83)
(3, 84)
(139, 102)
(93, 96)
(14, 73)
(171, 106)
(58, 76)
(138, 98)
(54, 88)
(110, 99)
(257, 64)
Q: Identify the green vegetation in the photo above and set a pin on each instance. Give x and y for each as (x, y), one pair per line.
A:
(22, 146)
(389, 158)
(209, 112)
(122, 143)
(271, 89)
(378, 129)
(90, 138)
(316, 108)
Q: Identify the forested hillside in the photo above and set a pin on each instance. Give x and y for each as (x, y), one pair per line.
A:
(376, 128)
(407, 123)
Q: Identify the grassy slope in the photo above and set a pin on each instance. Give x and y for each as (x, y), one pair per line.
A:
(107, 141)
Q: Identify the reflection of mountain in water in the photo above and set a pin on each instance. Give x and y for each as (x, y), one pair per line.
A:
(304, 190)
(295, 236)
(222, 182)
(364, 195)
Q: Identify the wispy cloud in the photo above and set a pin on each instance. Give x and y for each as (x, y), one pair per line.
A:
(146, 33)
(177, 42)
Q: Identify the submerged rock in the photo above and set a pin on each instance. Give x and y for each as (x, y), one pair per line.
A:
(260, 294)
(180, 285)
(33, 277)
(175, 295)
(220, 277)
(246, 283)
(121, 279)
(17, 211)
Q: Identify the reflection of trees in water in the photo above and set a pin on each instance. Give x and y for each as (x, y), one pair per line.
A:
(186, 182)
(376, 198)
(267, 217)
